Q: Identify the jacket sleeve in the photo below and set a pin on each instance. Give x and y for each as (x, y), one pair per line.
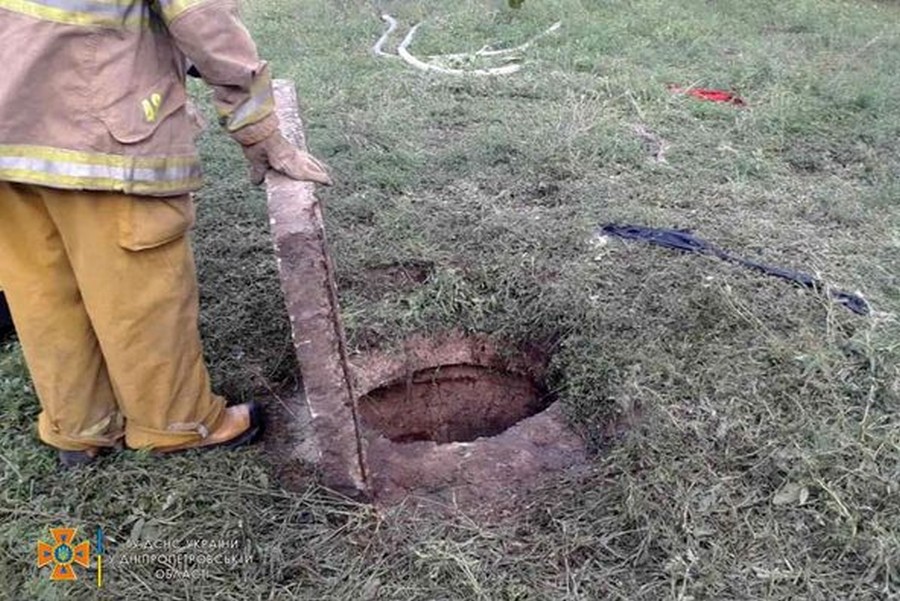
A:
(211, 34)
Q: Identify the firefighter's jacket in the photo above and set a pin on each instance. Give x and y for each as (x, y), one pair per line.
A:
(92, 92)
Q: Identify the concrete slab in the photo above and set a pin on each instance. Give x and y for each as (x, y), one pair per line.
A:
(305, 270)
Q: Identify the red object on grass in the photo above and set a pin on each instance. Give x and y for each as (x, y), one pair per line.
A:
(708, 94)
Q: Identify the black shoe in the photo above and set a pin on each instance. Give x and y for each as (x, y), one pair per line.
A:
(6, 323)
(72, 459)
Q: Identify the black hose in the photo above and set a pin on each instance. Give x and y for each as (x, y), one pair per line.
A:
(685, 241)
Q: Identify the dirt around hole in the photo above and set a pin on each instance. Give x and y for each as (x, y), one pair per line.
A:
(452, 403)
(460, 421)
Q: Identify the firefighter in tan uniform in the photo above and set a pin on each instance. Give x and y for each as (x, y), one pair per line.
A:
(97, 162)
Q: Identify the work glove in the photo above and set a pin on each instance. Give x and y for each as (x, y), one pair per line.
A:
(275, 152)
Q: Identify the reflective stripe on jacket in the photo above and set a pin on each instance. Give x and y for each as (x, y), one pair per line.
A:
(93, 91)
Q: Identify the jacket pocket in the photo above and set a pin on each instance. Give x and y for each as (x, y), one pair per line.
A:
(146, 223)
(136, 117)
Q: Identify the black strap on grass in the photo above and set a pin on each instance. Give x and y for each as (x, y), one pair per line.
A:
(685, 241)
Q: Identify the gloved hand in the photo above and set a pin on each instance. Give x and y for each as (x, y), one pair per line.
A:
(277, 153)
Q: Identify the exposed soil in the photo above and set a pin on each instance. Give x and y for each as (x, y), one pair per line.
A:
(289, 444)
(453, 420)
(378, 280)
(454, 403)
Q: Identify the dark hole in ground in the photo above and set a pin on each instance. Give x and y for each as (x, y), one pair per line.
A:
(452, 403)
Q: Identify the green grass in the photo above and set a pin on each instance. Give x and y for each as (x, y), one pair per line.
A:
(767, 459)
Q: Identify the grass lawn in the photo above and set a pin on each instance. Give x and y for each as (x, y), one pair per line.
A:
(766, 461)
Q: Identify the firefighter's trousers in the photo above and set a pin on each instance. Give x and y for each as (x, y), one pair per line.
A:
(103, 292)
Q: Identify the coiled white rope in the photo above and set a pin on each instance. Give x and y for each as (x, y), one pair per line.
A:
(404, 53)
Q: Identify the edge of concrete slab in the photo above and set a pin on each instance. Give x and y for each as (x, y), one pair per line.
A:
(304, 267)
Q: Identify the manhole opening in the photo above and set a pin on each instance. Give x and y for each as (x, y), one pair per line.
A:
(452, 403)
